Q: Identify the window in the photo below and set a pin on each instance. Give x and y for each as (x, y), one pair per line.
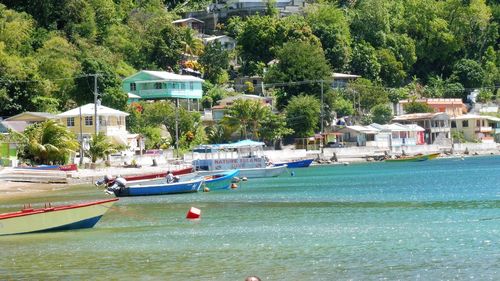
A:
(70, 121)
(453, 124)
(133, 87)
(191, 86)
(465, 123)
(183, 86)
(478, 123)
(157, 85)
(102, 121)
(88, 121)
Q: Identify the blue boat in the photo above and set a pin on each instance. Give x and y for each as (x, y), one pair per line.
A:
(221, 180)
(159, 187)
(296, 164)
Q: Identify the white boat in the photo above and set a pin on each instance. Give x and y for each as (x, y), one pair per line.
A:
(246, 156)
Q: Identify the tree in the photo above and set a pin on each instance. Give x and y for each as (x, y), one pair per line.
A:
(302, 113)
(273, 127)
(298, 62)
(100, 147)
(48, 142)
(245, 115)
(381, 114)
(330, 25)
(391, 70)
(215, 60)
(469, 73)
(364, 61)
(367, 94)
(417, 107)
(192, 45)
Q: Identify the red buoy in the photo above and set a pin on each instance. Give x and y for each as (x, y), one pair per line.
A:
(193, 213)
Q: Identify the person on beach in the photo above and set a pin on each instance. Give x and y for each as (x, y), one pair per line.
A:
(170, 177)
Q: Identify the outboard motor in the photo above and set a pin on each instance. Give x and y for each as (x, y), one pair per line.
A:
(106, 180)
(118, 186)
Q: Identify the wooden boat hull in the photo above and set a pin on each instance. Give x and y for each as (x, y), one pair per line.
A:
(159, 187)
(76, 216)
(296, 164)
(416, 158)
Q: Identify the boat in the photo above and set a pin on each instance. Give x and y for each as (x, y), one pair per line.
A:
(159, 187)
(66, 168)
(76, 216)
(220, 180)
(159, 175)
(296, 164)
(415, 158)
(246, 156)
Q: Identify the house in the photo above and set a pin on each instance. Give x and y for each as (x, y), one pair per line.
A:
(476, 127)
(218, 110)
(383, 136)
(227, 42)
(452, 107)
(436, 125)
(16, 126)
(192, 23)
(81, 121)
(31, 117)
(340, 80)
(150, 85)
(240, 84)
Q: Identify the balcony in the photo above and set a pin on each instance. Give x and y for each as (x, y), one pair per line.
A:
(484, 129)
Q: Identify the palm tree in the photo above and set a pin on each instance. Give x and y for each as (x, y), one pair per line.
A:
(48, 142)
(245, 115)
(192, 45)
(100, 147)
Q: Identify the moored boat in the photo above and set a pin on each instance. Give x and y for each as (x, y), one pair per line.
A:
(296, 164)
(249, 159)
(415, 158)
(69, 167)
(222, 180)
(82, 215)
(159, 187)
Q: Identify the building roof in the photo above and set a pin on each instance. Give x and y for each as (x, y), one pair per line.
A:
(344, 76)
(187, 20)
(362, 129)
(417, 116)
(89, 109)
(44, 115)
(214, 38)
(431, 101)
(164, 76)
(133, 96)
(396, 127)
(475, 116)
(17, 126)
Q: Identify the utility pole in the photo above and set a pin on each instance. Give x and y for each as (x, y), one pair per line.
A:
(177, 127)
(81, 138)
(96, 104)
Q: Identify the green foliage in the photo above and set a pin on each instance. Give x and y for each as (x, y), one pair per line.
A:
(381, 114)
(417, 107)
(47, 142)
(364, 61)
(329, 24)
(215, 60)
(343, 107)
(273, 127)
(458, 136)
(299, 61)
(367, 94)
(244, 115)
(469, 73)
(484, 96)
(302, 113)
(100, 147)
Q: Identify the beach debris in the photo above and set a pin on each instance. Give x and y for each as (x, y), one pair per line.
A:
(193, 213)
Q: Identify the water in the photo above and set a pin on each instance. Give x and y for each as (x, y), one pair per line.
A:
(433, 220)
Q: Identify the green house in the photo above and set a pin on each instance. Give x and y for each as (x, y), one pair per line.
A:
(163, 85)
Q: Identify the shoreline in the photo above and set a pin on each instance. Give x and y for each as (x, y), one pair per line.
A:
(16, 189)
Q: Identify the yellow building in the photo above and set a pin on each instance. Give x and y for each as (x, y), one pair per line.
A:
(81, 121)
(476, 127)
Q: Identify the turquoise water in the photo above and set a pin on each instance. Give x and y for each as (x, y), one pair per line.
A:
(433, 220)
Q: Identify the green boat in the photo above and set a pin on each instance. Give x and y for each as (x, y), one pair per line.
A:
(415, 158)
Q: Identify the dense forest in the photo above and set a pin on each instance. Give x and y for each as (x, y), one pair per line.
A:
(400, 48)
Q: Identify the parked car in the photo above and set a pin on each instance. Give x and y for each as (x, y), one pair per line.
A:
(334, 145)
